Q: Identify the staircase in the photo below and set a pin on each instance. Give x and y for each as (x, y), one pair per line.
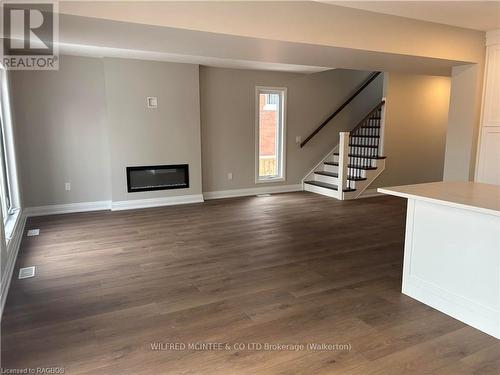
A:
(347, 170)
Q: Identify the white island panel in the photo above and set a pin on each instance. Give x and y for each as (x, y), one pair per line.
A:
(452, 250)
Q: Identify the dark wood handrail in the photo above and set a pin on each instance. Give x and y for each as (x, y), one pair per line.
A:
(360, 124)
(339, 109)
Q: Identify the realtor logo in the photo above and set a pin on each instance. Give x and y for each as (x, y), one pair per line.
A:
(30, 36)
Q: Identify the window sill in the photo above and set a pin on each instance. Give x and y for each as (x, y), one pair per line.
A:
(270, 107)
(271, 179)
(11, 224)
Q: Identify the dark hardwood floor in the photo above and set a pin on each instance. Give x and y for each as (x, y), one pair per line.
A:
(286, 269)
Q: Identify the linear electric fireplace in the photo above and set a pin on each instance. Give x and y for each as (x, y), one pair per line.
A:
(157, 177)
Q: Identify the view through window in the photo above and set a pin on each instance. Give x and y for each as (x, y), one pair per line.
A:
(270, 129)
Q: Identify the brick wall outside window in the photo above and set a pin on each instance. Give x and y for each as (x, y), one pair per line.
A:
(267, 137)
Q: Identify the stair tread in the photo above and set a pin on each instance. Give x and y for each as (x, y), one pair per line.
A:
(332, 174)
(327, 186)
(350, 166)
(362, 156)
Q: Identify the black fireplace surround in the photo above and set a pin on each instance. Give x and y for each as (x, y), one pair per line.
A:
(157, 177)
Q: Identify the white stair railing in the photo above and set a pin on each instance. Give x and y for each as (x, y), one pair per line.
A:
(358, 159)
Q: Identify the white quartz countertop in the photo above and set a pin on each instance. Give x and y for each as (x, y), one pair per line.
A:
(473, 196)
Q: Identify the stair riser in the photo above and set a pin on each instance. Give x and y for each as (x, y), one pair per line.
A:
(357, 172)
(330, 168)
(327, 179)
(333, 180)
(321, 190)
(335, 169)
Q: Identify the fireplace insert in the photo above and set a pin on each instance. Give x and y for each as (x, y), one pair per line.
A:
(157, 177)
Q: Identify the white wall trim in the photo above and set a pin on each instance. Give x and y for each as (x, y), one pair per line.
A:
(474, 314)
(481, 115)
(156, 202)
(493, 37)
(12, 251)
(67, 208)
(251, 191)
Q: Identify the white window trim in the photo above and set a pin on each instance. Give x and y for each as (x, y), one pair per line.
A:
(12, 220)
(259, 180)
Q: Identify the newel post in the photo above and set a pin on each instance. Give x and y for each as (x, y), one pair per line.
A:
(343, 160)
(382, 128)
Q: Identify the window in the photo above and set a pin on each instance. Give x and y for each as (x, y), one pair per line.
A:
(5, 190)
(9, 196)
(272, 99)
(270, 134)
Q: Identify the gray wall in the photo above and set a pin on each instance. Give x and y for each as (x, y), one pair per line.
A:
(415, 129)
(86, 122)
(169, 134)
(60, 132)
(228, 120)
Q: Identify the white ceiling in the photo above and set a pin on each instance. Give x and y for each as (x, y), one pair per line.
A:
(477, 15)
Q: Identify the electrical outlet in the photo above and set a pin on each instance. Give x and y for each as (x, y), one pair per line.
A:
(230, 176)
(67, 186)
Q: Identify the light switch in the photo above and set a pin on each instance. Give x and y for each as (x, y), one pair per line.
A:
(152, 101)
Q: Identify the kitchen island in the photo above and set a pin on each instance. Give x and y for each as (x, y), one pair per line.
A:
(452, 250)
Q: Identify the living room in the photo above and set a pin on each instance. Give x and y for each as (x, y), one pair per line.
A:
(189, 173)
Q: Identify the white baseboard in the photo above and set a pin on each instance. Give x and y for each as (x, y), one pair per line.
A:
(321, 190)
(166, 201)
(67, 208)
(369, 193)
(156, 202)
(251, 191)
(12, 251)
(109, 205)
(456, 306)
